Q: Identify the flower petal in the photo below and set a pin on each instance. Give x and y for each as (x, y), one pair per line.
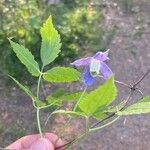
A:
(101, 56)
(87, 78)
(82, 62)
(105, 70)
(95, 66)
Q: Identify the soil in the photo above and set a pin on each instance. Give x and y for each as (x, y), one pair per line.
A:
(129, 59)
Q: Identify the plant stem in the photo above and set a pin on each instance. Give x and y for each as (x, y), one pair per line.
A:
(87, 124)
(119, 82)
(76, 105)
(67, 123)
(148, 71)
(90, 131)
(122, 83)
(38, 122)
(93, 127)
(105, 125)
(38, 109)
(61, 133)
(39, 81)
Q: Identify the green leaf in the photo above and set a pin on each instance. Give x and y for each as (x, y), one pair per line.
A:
(29, 93)
(26, 58)
(145, 99)
(99, 98)
(100, 115)
(51, 45)
(141, 107)
(58, 100)
(62, 74)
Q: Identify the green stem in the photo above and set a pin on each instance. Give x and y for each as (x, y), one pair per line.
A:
(87, 124)
(90, 130)
(67, 123)
(38, 122)
(37, 109)
(76, 105)
(39, 81)
(61, 133)
(105, 125)
(119, 82)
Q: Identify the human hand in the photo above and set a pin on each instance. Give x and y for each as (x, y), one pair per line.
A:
(35, 142)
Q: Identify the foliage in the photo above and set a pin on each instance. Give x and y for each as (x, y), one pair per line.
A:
(77, 22)
(51, 45)
(95, 104)
(26, 58)
(99, 98)
(141, 107)
(62, 74)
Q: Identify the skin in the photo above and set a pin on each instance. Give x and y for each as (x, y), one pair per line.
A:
(35, 142)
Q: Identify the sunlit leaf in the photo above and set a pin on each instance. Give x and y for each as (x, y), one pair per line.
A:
(62, 74)
(26, 58)
(51, 45)
(141, 107)
(99, 98)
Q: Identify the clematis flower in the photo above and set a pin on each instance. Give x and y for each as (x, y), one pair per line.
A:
(93, 67)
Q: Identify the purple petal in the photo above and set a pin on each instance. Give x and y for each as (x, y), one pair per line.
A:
(82, 62)
(105, 70)
(101, 56)
(87, 78)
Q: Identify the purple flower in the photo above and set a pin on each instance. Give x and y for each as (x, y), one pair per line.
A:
(93, 66)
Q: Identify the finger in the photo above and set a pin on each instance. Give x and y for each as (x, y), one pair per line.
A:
(52, 138)
(28, 140)
(24, 142)
(15, 146)
(42, 144)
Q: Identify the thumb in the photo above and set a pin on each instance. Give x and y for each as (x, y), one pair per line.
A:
(42, 144)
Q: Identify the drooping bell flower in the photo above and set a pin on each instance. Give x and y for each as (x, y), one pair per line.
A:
(93, 67)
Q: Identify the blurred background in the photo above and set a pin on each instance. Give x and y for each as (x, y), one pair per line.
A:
(85, 26)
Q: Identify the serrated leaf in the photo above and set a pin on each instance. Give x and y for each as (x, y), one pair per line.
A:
(99, 98)
(51, 45)
(29, 93)
(26, 58)
(62, 74)
(141, 107)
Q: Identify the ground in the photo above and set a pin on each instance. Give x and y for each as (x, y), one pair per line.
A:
(129, 59)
